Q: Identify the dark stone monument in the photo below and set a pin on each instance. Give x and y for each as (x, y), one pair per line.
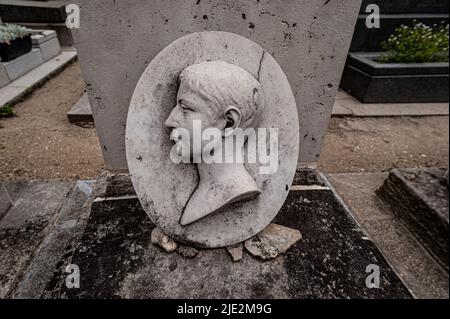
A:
(419, 197)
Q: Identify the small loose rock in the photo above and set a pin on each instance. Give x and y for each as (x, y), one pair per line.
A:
(187, 252)
(272, 241)
(159, 238)
(236, 251)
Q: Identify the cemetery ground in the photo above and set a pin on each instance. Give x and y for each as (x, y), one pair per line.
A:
(40, 143)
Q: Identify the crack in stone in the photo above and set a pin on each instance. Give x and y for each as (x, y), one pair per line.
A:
(260, 63)
(326, 2)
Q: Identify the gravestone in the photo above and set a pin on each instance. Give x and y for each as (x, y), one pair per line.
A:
(308, 39)
(152, 71)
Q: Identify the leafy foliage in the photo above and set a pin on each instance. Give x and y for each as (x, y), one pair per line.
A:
(417, 44)
(6, 111)
(9, 32)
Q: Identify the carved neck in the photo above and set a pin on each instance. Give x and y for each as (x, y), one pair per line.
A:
(220, 185)
(221, 172)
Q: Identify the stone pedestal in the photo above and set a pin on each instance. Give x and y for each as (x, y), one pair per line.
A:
(116, 258)
(47, 42)
(419, 197)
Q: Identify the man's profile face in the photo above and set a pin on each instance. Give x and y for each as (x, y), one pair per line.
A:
(192, 107)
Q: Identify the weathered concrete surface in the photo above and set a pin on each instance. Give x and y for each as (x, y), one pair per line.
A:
(25, 224)
(307, 176)
(70, 219)
(346, 105)
(424, 277)
(23, 64)
(309, 39)
(117, 185)
(117, 259)
(5, 201)
(417, 197)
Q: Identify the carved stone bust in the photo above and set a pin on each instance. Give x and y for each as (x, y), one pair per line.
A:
(227, 97)
(215, 85)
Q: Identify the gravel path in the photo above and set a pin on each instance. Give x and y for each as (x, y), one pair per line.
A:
(40, 143)
(380, 144)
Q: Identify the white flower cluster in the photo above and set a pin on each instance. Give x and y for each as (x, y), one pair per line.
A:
(10, 32)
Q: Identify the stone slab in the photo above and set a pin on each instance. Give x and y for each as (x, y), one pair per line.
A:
(81, 111)
(23, 64)
(71, 219)
(368, 63)
(15, 90)
(372, 82)
(307, 176)
(4, 79)
(32, 11)
(62, 32)
(5, 201)
(40, 36)
(117, 260)
(420, 272)
(339, 109)
(417, 197)
(25, 225)
(342, 95)
(115, 51)
(9, 94)
(400, 109)
(358, 192)
(50, 49)
(346, 105)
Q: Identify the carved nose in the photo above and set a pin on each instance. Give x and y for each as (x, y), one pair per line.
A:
(170, 122)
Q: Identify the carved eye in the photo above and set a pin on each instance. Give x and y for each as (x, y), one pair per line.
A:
(184, 107)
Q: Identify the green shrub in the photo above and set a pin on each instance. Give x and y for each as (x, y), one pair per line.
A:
(6, 111)
(10, 32)
(417, 44)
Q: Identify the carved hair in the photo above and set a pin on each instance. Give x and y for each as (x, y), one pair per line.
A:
(222, 84)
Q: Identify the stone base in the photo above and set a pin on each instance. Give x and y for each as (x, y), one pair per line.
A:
(116, 258)
(40, 220)
(45, 48)
(17, 90)
(419, 197)
(81, 111)
(23, 64)
(372, 82)
(32, 11)
(47, 42)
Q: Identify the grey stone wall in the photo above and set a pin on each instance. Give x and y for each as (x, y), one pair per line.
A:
(117, 40)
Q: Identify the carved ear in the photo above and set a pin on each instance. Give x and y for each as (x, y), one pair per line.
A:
(232, 118)
(255, 97)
